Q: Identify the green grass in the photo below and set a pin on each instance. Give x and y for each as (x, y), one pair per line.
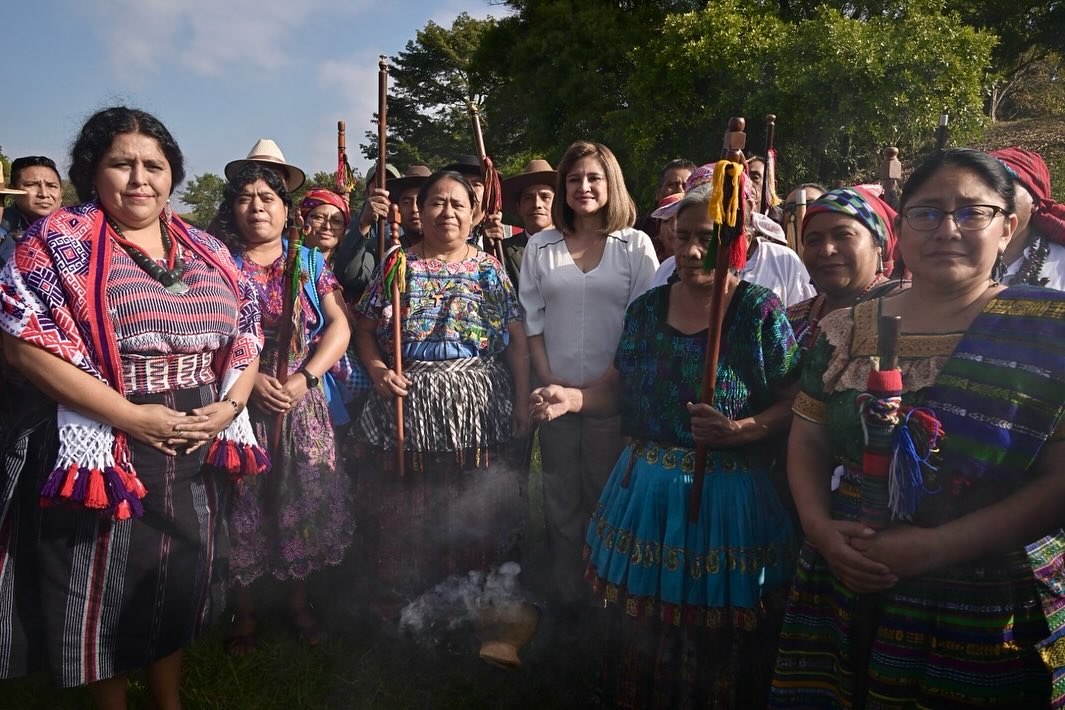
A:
(360, 665)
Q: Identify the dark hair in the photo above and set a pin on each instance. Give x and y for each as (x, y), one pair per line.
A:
(222, 226)
(752, 157)
(440, 175)
(675, 164)
(31, 161)
(99, 133)
(990, 171)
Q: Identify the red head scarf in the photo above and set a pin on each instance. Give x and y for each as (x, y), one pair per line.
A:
(1048, 217)
(321, 196)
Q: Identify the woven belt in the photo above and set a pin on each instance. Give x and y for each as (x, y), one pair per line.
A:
(145, 375)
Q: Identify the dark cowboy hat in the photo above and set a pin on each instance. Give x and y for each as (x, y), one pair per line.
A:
(414, 177)
(390, 173)
(4, 189)
(266, 152)
(536, 172)
(465, 164)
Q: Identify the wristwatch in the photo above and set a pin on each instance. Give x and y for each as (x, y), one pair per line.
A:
(312, 381)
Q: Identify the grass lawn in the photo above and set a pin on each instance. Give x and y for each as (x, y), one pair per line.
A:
(362, 665)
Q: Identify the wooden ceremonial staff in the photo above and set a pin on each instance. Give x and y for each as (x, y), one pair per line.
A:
(345, 178)
(891, 175)
(382, 135)
(797, 216)
(735, 140)
(491, 190)
(770, 132)
(287, 330)
(943, 132)
(397, 334)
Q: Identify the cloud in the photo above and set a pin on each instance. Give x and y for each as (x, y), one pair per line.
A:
(352, 83)
(205, 36)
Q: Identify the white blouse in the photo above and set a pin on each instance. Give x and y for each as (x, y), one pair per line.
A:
(581, 315)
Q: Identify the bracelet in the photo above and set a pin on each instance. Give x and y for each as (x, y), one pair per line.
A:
(236, 406)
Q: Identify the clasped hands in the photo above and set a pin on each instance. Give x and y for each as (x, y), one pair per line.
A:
(169, 430)
(866, 560)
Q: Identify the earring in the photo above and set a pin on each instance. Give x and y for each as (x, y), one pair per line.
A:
(168, 212)
(879, 263)
(998, 271)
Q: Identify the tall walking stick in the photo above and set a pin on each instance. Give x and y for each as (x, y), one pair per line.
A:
(727, 249)
(769, 198)
(493, 189)
(395, 271)
(943, 132)
(345, 175)
(382, 136)
(891, 175)
(288, 332)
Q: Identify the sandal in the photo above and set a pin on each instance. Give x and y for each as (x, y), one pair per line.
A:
(311, 633)
(240, 644)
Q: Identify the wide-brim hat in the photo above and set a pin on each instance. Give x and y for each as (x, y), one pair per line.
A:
(4, 189)
(660, 209)
(414, 177)
(266, 152)
(465, 164)
(391, 173)
(536, 172)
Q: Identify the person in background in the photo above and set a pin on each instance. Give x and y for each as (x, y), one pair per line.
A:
(530, 194)
(356, 257)
(577, 280)
(404, 190)
(671, 180)
(325, 217)
(42, 190)
(1036, 254)
(7, 243)
(666, 234)
(954, 599)
(848, 238)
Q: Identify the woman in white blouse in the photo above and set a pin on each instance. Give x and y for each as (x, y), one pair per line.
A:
(577, 280)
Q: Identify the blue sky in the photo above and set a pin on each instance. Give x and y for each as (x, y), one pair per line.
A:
(219, 73)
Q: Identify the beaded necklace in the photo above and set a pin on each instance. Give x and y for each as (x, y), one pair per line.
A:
(1033, 265)
(171, 277)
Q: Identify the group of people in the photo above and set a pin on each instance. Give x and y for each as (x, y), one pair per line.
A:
(190, 409)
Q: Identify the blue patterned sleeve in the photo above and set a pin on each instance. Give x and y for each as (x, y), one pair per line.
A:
(373, 300)
(780, 350)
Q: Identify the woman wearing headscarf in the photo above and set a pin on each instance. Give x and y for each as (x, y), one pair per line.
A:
(848, 241)
(294, 520)
(942, 585)
(1036, 254)
(141, 337)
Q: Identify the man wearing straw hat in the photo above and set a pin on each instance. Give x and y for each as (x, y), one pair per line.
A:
(404, 190)
(6, 245)
(530, 194)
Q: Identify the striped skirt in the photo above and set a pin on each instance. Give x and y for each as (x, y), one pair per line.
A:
(114, 596)
(964, 635)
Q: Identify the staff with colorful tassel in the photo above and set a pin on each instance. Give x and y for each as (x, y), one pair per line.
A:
(727, 250)
(769, 198)
(288, 332)
(345, 175)
(382, 137)
(395, 271)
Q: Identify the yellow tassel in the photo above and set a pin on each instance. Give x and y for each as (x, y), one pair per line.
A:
(715, 209)
(734, 172)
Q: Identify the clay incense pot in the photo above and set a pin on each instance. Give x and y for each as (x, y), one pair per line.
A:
(504, 629)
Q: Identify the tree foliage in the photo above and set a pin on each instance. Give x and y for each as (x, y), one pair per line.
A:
(203, 195)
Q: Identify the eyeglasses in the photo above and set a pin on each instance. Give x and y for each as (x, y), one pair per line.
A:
(317, 220)
(970, 218)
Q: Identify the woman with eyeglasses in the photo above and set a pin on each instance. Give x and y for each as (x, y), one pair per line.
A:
(38, 176)
(958, 600)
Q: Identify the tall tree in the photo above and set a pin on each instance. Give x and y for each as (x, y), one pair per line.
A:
(433, 82)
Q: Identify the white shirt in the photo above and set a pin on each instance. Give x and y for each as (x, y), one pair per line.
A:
(779, 269)
(773, 265)
(581, 315)
(1054, 268)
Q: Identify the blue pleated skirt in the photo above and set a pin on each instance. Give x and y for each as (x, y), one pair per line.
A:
(643, 552)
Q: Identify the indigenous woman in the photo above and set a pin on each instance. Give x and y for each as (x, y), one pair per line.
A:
(145, 333)
(693, 606)
(955, 598)
(457, 504)
(846, 235)
(1036, 254)
(325, 218)
(577, 280)
(296, 519)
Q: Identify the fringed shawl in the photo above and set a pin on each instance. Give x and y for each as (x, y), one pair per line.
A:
(53, 294)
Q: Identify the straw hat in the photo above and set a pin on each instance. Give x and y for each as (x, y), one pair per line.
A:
(414, 177)
(266, 152)
(536, 172)
(4, 189)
